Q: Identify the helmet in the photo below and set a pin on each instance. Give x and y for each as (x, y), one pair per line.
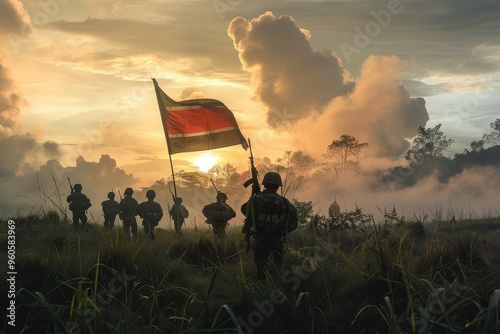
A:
(128, 192)
(272, 178)
(111, 195)
(178, 200)
(77, 187)
(221, 196)
(150, 194)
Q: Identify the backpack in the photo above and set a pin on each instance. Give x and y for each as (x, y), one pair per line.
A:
(109, 208)
(127, 207)
(269, 210)
(80, 202)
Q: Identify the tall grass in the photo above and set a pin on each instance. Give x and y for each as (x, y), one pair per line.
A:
(400, 275)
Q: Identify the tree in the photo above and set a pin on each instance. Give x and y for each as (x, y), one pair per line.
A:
(294, 167)
(493, 138)
(344, 153)
(224, 176)
(429, 144)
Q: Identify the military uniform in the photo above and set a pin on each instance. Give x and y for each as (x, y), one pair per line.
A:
(218, 214)
(127, 214)
(151, 214)
(78, 204)
(271, 217)
(179, 213)
(110, 209)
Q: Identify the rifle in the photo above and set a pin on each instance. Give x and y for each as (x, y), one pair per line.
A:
(71, 186)
(120, 194)
(254, 181)
(216, 190)
(173, 196)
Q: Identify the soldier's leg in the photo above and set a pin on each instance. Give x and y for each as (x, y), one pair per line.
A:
(147, 228)
(126, 227)
(106, 222)
(261, 255)
(83, 218)
(112, 221)
(133, 226)
(178, 227)
(151, 233)
(75, 221)
(278, 254)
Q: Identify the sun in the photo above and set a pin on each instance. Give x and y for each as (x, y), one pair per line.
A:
(205, 161)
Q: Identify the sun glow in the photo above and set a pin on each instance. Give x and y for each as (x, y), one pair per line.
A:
(205, 161)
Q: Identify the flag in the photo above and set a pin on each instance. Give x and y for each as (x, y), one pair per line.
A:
(197, 125)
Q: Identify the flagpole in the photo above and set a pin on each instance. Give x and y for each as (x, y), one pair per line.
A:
(164, 122)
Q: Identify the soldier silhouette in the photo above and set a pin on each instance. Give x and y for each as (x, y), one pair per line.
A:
(127, 213)
(179, 213)
(151, 214)
(78, 204)
(110, 209)
(218, 214)
(271, 216)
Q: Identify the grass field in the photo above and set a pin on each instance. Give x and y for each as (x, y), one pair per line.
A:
(386, 277)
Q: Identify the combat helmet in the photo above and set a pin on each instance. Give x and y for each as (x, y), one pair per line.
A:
(272, 178)
(178, 200)
(77, 187)
(128, 192)
(111, 195)
(150, 194)
(221, 196)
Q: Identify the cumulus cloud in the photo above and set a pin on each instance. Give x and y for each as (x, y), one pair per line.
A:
(288, 76)
(312, 91)
(49, 183)
(14, 19)
(379, 111)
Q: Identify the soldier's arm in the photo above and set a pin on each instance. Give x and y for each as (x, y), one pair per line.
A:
(160, 212)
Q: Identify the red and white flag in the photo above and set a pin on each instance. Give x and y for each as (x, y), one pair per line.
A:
(197, 125)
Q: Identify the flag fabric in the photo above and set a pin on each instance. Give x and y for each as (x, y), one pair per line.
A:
(197, 125)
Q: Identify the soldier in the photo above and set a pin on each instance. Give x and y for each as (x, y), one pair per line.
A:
(127, 213)
(151, 213)
(78, 204)
(110, 210)
(179, 213)
(271, 217)
(218, 214)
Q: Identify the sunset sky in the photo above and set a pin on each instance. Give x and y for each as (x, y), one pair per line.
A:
(75, 76)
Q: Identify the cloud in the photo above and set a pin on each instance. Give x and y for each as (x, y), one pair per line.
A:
(40, 189)
(11, 101)
(288, 76)
(14, 19)
(15, 150)
(51, 149)
(312, 91)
